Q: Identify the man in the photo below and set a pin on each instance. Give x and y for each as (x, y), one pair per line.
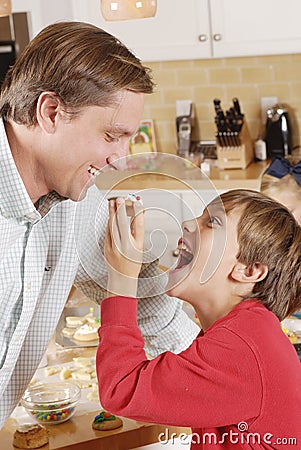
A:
(69, 106)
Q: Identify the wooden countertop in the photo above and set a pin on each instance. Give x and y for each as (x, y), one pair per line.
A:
(77, 433)
(180, 178)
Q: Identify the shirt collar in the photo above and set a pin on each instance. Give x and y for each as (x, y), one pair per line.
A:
(14, 199)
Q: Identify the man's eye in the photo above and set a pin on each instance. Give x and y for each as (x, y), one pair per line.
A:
(111, 138)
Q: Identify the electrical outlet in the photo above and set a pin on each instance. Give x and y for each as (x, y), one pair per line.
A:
(266, 103)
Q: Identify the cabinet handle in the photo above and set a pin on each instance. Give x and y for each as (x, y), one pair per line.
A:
(203, 37)
(217, 37)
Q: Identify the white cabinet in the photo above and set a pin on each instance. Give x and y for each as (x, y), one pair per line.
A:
(188, 29)
(43, 13)
(196, 29)
(172, 34)
(256, 27)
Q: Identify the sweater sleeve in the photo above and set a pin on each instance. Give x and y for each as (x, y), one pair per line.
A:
(200, 387)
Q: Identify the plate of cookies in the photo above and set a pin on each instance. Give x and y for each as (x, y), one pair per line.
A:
(78, 327)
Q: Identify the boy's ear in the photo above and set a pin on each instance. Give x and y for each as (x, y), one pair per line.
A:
(249, 274)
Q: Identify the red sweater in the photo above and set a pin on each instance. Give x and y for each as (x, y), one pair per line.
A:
(241, 373)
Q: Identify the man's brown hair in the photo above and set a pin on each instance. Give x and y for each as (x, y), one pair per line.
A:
(268, 233)
(82, 64)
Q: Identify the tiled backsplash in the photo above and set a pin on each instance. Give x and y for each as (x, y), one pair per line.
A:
(201, 81)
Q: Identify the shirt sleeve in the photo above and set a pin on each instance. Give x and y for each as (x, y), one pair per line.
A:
(163, 323)
(201, 387)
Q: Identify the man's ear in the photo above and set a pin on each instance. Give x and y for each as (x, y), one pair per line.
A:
(48, 107)
(249, 274)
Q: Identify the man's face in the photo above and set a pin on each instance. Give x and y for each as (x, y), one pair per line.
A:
(208, 252)
(85, 144)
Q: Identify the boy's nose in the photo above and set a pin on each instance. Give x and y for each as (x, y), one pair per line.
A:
(189, 225)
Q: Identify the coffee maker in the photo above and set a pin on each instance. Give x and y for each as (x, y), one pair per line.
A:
(278, 132)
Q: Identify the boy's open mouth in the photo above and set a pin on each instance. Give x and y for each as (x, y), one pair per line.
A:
(185, 256)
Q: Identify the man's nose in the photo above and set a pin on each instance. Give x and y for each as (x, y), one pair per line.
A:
(118, 159)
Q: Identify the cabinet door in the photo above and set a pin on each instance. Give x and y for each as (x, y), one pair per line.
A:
(180, 29)
(256, 27)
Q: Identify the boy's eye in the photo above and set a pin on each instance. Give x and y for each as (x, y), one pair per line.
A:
(213, 220)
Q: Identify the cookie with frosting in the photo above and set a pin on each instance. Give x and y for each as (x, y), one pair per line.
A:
(30, 436)
(106, 421)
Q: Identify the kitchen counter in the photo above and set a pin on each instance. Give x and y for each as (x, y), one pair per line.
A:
(77, 433)
(177, 175)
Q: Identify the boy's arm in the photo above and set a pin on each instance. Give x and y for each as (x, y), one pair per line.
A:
(200, 387)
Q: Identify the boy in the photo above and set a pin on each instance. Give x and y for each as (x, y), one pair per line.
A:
(239, 383)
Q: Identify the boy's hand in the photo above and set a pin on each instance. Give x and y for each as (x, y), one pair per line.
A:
(124, 248)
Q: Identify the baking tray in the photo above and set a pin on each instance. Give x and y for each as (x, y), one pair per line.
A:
(80, 311)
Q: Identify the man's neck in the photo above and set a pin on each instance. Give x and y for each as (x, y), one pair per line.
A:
(22, 145)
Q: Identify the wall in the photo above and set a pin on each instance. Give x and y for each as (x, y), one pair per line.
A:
(201, 81)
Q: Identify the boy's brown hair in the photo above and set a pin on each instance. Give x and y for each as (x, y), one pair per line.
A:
(268, 233)
(82, 64)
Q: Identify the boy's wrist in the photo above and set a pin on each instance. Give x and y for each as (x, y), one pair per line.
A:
(122, 285)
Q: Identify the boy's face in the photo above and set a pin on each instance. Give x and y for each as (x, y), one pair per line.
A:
(208, 250)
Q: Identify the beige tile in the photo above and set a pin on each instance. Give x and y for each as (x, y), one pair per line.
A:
(203, 111)
(280, 90)
(207, 130)
(296, 57)
(241, 62)
(165, 78)
(288, 72)
(171, 95)
(244, 92)
(162, 112)
(177, 64)
(224, 75)
(192, 77)
(296, 90)
(208, 63)
(208, 93)
(262, 73)
(274, 59)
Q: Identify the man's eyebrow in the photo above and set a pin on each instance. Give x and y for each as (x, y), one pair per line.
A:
(121, 129)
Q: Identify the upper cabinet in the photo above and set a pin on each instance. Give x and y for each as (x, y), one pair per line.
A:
(196, 29)
(188, 29)
(172, 34)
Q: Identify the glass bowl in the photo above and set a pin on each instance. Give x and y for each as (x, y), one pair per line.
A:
(51, 403)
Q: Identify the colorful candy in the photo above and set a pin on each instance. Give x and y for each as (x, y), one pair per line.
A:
(53, 413)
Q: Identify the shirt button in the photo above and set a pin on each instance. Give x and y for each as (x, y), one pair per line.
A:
(28, 286)
(18, 338)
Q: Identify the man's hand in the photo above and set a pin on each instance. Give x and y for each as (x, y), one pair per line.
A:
(124, 248)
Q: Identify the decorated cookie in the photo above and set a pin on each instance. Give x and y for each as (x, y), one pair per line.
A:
(86, 333)
(130, 199)
(106, 421)
(30, 436)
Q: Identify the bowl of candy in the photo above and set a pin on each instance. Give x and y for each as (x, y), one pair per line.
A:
(51, 403)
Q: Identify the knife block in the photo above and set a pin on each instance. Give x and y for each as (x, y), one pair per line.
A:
(236, 156)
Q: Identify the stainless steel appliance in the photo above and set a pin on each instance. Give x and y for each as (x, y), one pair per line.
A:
(278, 132)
